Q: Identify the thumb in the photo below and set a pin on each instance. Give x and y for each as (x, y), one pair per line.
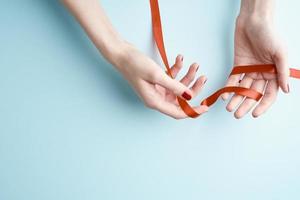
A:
(282, 70)
(175, 86)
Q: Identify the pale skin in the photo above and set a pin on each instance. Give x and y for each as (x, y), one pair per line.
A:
(256, 42)
(158, 91)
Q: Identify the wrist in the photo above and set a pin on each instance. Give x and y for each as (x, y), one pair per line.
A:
(119, 55)
(257, 10)
(251, 21)
(112, 52)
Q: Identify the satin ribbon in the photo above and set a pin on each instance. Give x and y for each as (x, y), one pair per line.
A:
(209, 101)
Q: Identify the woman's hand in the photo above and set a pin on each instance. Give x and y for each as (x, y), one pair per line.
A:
(156, 89)
(152, 84)
(257, 43)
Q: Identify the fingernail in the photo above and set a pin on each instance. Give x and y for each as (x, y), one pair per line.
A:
(186, 96)
(225, 97)
(206, 108)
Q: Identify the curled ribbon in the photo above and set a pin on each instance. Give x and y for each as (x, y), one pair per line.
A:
(247, 92)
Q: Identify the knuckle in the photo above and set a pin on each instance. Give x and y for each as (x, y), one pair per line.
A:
(248, 103)
(267, 95)
(270, 97)
(155, 75)
(190, 76)
(233, 80)
(263, 104)
(150, 104)
(187, 78)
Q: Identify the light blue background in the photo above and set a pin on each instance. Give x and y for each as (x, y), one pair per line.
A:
(72, 128)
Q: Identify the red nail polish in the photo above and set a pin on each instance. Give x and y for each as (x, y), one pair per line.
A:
(186, 96)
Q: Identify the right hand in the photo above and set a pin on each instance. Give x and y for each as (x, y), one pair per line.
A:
(157, 90)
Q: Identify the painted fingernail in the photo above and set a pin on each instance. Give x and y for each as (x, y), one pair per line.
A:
(186, 96)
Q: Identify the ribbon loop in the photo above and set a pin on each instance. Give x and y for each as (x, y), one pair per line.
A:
(209, 101)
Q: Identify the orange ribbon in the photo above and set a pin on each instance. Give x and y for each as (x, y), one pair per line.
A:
(247, 92)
